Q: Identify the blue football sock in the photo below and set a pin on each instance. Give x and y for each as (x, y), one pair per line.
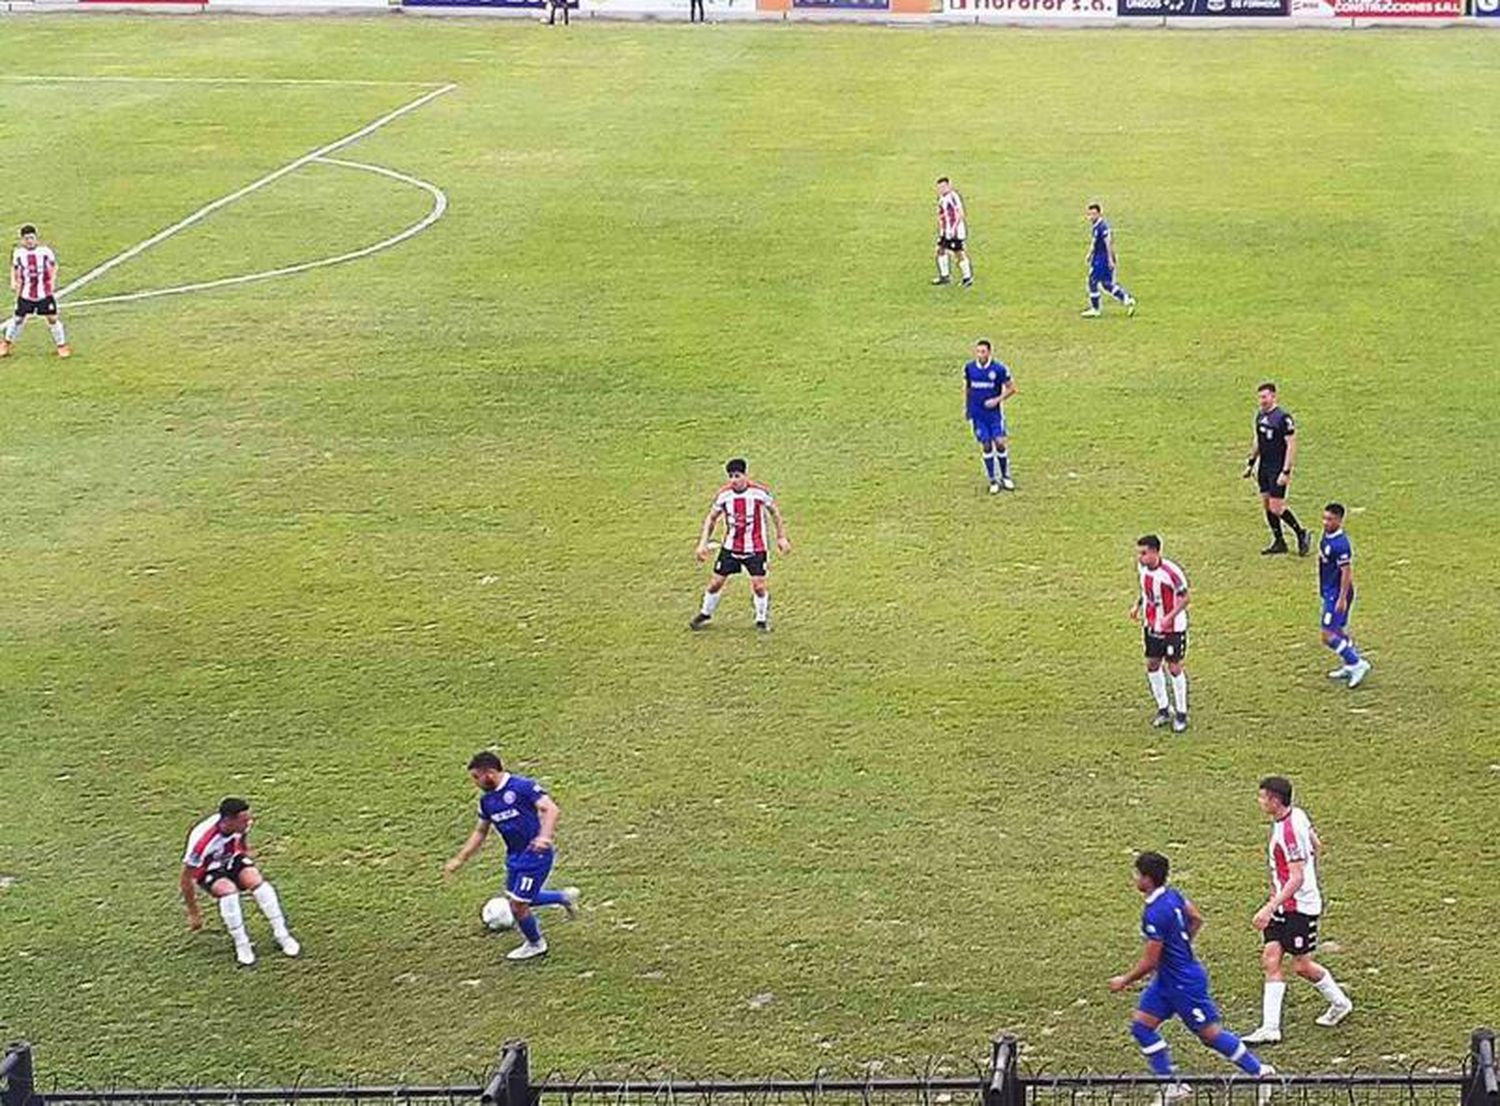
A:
(1094, 300)
(1345, 649)
(549, 898)
(1119, 293)
(530, 928)
(989, 466)
(1004, 458)
(1153, 1048)
(1227, 1045)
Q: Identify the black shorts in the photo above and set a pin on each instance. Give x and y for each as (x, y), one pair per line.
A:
(729, 563)
(1295, 933)
(230, 869)
(956, 245)
(1267, 478)
(26, 307)
(1172, 647)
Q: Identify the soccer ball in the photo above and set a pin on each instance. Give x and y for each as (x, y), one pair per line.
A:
(497, 913)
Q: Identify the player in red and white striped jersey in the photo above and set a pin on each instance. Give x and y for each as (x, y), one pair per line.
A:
(1161, 607)
(219, 861)
(33, 278)
(743, 505)
(952, 233)
(1289, 919)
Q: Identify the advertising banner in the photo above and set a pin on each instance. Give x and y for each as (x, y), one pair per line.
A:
(1487, 9)
(1208, 8)
(1398, 9)
(999, 10)
(514, 5)
(716, 8)
(845, 5)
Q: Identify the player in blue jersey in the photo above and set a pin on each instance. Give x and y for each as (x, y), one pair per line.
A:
(524, 815)
(987, 385)
(1179, 986)
(1102, 266)
(1336, 586)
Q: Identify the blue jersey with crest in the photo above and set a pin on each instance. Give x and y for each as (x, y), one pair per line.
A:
(510, 810)
(1165, 919)
(1100, 255)
(1334, 551)
(983, 383)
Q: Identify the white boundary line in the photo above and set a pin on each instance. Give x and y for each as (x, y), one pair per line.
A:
(276, 174)
(24, 79)
(439, 206)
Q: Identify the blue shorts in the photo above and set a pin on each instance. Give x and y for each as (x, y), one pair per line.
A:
(1193, 1006)
(1101, 276)
(1331, 619)
(526, 873)
(988, 426)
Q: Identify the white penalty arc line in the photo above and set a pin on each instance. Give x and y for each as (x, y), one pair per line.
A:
(439, 207)
(254, 186)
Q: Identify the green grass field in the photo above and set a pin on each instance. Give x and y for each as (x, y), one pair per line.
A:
(316, 540)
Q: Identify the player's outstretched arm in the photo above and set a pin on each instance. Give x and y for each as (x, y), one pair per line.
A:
(1150, 958)
(472, 845)
(548, 812)
(707, 531)
(783, 542)
(190, 898)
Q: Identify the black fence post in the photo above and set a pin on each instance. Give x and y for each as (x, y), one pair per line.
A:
(17, 1075)
(511, 1083)
(1482, 1076)
(1003, 1088)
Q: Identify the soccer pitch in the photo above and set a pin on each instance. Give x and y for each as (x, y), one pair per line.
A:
(318, 538)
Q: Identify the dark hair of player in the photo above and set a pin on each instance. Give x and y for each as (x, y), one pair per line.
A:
(27, 229)
(1267, 387)
(1149, 541)
(736, 465)
(231, 807)
(944, 180)
(485, 762)
(1154, 867)
(1335, 508)
(1095, 207)
(1279, 786)
(985, 342)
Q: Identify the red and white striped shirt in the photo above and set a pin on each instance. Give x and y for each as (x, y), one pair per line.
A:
(36, 271)
(951, 216)
(1292, 840)
(1162, 590)
(208, 845)
(744, 517)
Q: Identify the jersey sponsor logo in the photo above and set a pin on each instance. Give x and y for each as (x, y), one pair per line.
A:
(504, 815)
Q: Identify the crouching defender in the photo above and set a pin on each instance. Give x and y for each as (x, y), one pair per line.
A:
(220, 862)
(1180, 984)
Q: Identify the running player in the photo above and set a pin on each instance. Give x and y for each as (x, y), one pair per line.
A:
(219, 861)
(952, 234)
(1271, 459)
(1179, 988)
(1336, 584)
(1102, 266)
(743, 505)
(1289, 919)
(33, 278)
(987, 385)
(524, 815)
(1161, 608)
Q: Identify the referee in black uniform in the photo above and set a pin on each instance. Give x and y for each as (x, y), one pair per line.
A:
(1271, 460)
(695, 12)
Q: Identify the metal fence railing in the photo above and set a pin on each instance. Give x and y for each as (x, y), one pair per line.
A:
(1000, 1081)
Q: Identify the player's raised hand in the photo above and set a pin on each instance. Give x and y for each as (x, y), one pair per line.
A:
(784, 544)
(702, 551)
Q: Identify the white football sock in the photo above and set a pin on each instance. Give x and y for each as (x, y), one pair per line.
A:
(6, 325)
(942, 264)
(57, 332)
(270, 906)
(1270, 1005)
(234, 920)
(711, 602)
(1158, 682)
(762, 607)
(965, 268)
(1179, 691)
(1330, 990)
(13, 333)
